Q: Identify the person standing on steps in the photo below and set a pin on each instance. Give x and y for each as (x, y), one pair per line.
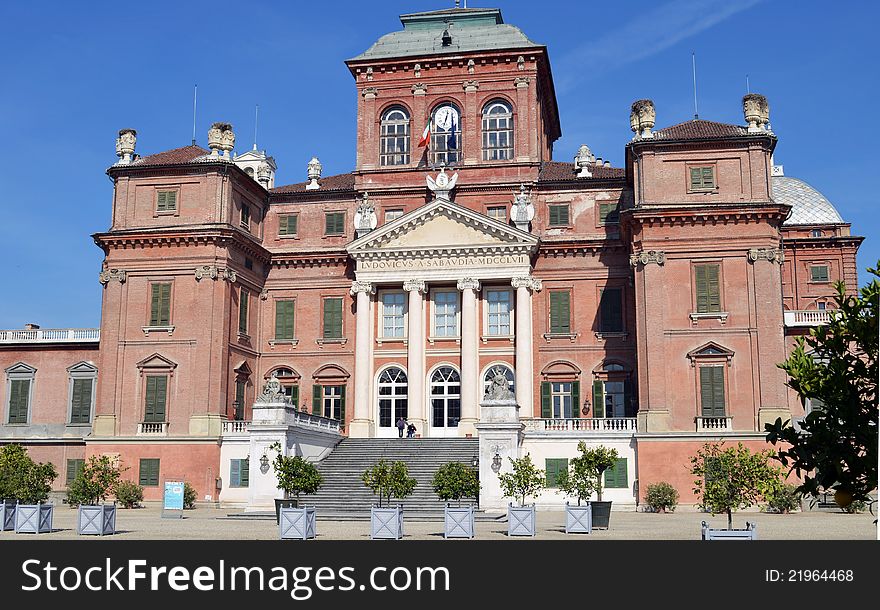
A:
(401, 424)
(411, 431)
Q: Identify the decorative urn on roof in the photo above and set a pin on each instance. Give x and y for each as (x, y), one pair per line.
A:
(125, 145)
(221, 138)
(264, 175)
(583, 160)
(641, 118)
(314, 172)
(756, 111)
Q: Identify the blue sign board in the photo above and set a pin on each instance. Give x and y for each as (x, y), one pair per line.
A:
(173, 497)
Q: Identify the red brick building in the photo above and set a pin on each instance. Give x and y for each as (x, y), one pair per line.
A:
(645, 306)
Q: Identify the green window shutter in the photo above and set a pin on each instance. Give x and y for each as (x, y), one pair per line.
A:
(243, 311)
(552, 468)
(284, 320)
(155, 300)
(171, 203)
(235, 473)
(608, 213)
(149, 472)
(334, 223)
(19, 396)
(819, 273)
(616, 476)
(161, 201)
(714, 290)
(332, 318)
(708, 177)
(317, 396)
(629, 407)
(610, 311)
(294, 394)
(598, 398)
(81, 401)
(560, 312)
(74, 467)
(712, 391)
(288, 225)
(575, 399)
(245, 472)
(696, 179)
(718, 390)
(341, 417)
(156, 395)
(160, 305)
(558, 215)
(546, 400)
(708, 288)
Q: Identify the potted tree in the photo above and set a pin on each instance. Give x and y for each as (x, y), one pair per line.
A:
(98, 478)
(388, 480)
(14, 463)
(525, 480)
(729, 479)
(295, 476)
(28, 483)
(598, 460)
(454, 481)
(579, 480)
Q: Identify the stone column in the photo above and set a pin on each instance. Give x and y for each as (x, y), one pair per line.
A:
(470, 366)
(524, 286)
(362, 424)
(415, 355)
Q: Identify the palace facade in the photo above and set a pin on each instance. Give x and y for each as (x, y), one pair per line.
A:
(643, 307)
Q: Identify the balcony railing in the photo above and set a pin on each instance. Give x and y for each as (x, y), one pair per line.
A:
(304, 418)
(586, 424)
(714, 424)
(149, 428)
(236, 426)
(806, 317)
(51, 335)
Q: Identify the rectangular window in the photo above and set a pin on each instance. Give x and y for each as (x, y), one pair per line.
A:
(239, 473)
(445, 314)
(702, 178)
(552, 468)
(81, 401)
(560, 312)
(558, 215)
(284, 320)
(499, 302)
(616, 476)
(334, 223)
(393, 304)
(608, 213)
(288, 224)
(819, 273)
(245, 216)
(291, 391)
(392, 215)
(708, 288)
(149, 472)
(156, 398)
(74, 467)
(498, 213)
(333, 318)
(333, 401)
(166, 201)
(238, 404)
(561, 400)
(160, 304)
(243, 303)
(19, 400)
(712, 391)
(611, 311)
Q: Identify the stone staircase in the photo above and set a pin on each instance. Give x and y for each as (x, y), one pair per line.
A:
(343, 494)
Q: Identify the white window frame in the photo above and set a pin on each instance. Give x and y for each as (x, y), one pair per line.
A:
(558, 406)
(81, 370)
(405, 322)
(446, 397)
(330, 398)
(394, 398)
(487, 306)
(502, 207)
(19, 371)
(434, 312)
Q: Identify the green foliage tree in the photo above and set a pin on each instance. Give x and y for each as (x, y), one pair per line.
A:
(98, 479)
(525, 480)
(580, 478)
(454, 481)
(129, 494)
(295, 475)
(835, 366)
(785, 499)
(22, 478)
(732, 478)
(389, 479)
(661, 497)
(189, 496)
(598, 459)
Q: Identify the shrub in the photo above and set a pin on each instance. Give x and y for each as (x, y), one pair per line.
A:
(129, 494)
(189, 495)
(295, 475)
(389, 480)
(23, 479)
(97, 480)
(856, 506)
(661, 497)
(784, 499)
(454, 481)
(525, 480)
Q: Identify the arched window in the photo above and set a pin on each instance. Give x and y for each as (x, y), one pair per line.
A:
(446, 135)
(497, 131)
(445, 398)
(490, 372)
(289, 383)
(393, 403)
(394, 146)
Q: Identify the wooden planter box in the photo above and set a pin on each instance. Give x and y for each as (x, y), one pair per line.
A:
(521, 520)
(297, 523)
(712, 534)
(7, 515)
(601, 513)
(458, 521)
(578, 519)
(283, 503)
(33, 518)
(96, 520)
(386, 523)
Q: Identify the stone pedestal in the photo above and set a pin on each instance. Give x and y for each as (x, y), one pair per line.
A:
(500, 433)
(205, 424)
(269, 425)
(653, 420)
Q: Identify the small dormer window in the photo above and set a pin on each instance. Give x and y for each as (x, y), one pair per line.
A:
(702, 178)
(816, 233)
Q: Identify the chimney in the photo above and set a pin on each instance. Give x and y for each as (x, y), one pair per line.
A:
(756, 111)
(314, 172)
(641, 118)
(221, 138)
(125, 145)
(32, 327)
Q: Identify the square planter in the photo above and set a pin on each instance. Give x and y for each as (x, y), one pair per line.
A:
(521, 520)
(601, 513)
(712, 534)
(33, 518)
(96, 520)
(283, 503)
(386, 523)
(578, 519)
(458, 521)
(7, 515)
(297, 523)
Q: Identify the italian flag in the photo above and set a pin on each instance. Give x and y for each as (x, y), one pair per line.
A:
(426, 135)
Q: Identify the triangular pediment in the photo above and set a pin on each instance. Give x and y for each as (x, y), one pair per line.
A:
(443, 225)
(20, 368)
(156, 361)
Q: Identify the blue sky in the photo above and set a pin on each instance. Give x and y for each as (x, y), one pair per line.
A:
(75, 73)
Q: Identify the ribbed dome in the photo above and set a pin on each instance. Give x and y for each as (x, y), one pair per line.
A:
(808, 206)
